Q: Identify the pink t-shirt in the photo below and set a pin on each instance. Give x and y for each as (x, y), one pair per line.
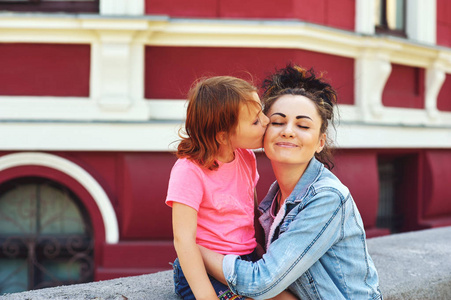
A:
(223, 199)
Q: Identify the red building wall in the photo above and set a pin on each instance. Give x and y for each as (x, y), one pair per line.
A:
(334, 13)
(61, 70)
(444, 96)
(436, 204)
(404, 87)
(170, 71)
(444, 23)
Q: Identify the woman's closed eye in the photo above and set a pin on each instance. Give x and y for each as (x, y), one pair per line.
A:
(281, 123)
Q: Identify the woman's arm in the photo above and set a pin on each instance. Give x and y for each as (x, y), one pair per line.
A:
(310, 234)
(184, 223)
(259, 233)
(213, 264)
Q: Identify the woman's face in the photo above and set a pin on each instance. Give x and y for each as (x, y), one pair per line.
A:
(293, 134)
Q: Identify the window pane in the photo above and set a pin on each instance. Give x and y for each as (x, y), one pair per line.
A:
(32, 208)
(378, 13)
(62, 270)
(18, 211)
(395, 14)
(58, 213)
(389, 16)
(13, 275)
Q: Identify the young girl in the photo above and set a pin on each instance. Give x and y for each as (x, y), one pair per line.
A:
(211, 188)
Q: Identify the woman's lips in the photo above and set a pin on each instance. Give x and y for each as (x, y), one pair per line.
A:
(286, 145)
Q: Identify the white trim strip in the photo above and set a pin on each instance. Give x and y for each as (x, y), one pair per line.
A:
(162, 136)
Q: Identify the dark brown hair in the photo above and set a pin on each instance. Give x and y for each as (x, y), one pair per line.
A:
(213, 107)
(294, 80)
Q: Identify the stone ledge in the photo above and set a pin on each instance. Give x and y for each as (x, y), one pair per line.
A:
(414, 265)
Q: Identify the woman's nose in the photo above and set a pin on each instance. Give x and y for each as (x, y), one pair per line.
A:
(288, 131)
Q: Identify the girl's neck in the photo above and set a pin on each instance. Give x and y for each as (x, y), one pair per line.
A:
(226, 154)
(287, 176)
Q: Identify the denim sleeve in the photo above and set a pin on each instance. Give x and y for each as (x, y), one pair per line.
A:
(313, 231)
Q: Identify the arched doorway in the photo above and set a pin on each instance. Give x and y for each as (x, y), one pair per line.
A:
(46, 236)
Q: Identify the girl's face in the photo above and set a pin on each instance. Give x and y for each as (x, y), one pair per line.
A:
(251, 126)
(293, 134)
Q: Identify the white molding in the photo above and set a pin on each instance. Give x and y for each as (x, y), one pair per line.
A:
(393, 116)
(167, 109)
(69, 109)
(265, 34)
(87, 136)
(162, 136)
(76, 172)
(360, 136)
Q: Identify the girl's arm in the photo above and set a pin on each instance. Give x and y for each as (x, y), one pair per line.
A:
(184, 224)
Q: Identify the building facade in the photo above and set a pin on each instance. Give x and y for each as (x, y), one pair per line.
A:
(92, 95)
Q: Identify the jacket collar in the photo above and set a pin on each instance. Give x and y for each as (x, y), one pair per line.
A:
(314, 169)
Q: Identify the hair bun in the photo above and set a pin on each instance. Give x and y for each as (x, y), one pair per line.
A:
(296, 77)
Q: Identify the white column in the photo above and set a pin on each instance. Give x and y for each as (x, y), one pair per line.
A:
(122, 7)
(111, 71)
(421, 23)
(372, 70)
(364, 17)
(434, 79)
(117, 75)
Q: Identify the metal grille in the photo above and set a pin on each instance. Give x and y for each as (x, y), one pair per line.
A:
(387, 215)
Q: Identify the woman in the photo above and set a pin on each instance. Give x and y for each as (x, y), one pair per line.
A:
(315, 238)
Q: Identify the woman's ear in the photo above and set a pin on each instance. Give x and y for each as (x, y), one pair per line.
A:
(321, 143)
(222, 138)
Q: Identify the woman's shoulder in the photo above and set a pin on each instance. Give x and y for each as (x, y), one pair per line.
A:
(328, 182)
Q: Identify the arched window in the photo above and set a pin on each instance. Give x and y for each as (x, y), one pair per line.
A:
(45, 236)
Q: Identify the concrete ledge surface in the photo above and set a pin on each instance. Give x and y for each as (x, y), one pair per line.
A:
(414, 265)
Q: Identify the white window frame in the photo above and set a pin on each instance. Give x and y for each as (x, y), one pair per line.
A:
(421, 19)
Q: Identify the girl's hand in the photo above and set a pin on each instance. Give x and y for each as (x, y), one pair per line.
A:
(285, 295)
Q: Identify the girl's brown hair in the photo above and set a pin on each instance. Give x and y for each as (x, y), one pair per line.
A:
(294, 80)
(213, 107)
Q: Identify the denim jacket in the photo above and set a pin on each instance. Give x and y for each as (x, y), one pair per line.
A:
(318, 251)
